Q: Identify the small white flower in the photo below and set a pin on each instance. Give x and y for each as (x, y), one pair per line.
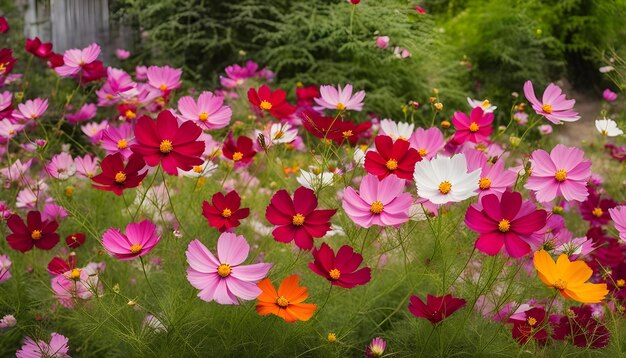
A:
(485, 105)
(445, 179)
(336, 230)
(359, 155)
(608, 127)
(206, 169)
(282, 133)
(315, 181)
(399, 130)
(606, 69)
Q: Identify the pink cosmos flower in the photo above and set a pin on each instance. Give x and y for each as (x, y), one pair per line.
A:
(208, 112)
(122, 54)
(476, 128)
(119, 85)
(61, 166)
(236, 75)
(7, 321)
(53, 212)
(5, 268)
(119, 139)
(77, 284)
(94, 130)
(609, 95)
(545, 129)
(339, 99)
(164, 78)
(17, 171)
(564, 172)
(31, 109)
(554, 105)
(8, 129)
(140, 238)
(504, 222)
(494, 178)
(74, 60)
(382, 42)
(86, 166)
(428, 142)
(618, 214)
(57, 348)
(223, 279)
(85, 113)
(379, 202)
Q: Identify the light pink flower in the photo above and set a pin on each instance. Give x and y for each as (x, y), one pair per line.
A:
(61, 166)
(86, 166)
(382, 42)
(494, 178)
(609, 95)
(122, 54)
(8, 321)
(224, 279)
(209, 112)
(85, 113)
(29, 197)
(94, 130)
(52, 211)
(6, 99)
(545, 129)
(17, 171)
(119, 85)
(31, 109)
(140, 238)
(379, 202)
(428, 142)
(57, 348)
(5, 268)
(164, 78)
(9, 130)
(564, 172)
(74, 60)
(118, 139)
(554, 105)
(618, 215)
(401, 52)
(77, 284)
(339, 99)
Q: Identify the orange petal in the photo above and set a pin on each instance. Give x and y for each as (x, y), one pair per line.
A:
(286, 315)
(290, 289)
(578, 272)
(269, 292)
(545, 265)
(588, 292)
(562, 266)
(303, 311)
(264, 308)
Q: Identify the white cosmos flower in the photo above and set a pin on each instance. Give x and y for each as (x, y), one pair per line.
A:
(282, 133)
(485, 105)
(206, 169)
(359, 155)
(399, 130)
(445, 179)
(315, 181)
(608, 127)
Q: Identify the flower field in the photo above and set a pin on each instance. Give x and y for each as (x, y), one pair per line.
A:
(144, 215)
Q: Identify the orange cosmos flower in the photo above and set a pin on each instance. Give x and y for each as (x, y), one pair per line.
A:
(569, 278)
(287, 302)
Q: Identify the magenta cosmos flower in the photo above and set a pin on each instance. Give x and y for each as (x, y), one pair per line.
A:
(208, 112)
(140, 238)
(297, 220)
(56, 348)
(340, 270)
(476, 128)
(163, 141)
(564, 172)
(508, 221)
(494, 177)
(339, 99)
(223, 279)
(554, 106)
(428, 142)
(118, 139)
(34, 232)
(75, 59)
(379, 202)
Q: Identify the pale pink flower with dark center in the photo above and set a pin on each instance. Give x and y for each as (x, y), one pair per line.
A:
(339, 98)
(74, 60)
(9, 130)
(554, 105)
(61, 166)
(118, 139)
(209, 112)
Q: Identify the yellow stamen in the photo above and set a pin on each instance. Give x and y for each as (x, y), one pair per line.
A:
(597, 212)
(484, 183)
(547, 108)
(227, 213)
(163, 87)
(75, 274)
(223, 270)
(560, 175)
(560, 284)
(281, 301)
(279, 135)
(334, 274)
(122, 144)
(504, 225)
(347, 133)
(265, 105)
(445, 187)
(474, 127)
(532, 321)
(203, 117)
(35, 235)
(620, 283)
(120, 177)
(298, 219)
(485, 104)
(392, 164)
(198, 169)
(237, 156)
(340, 106)
(557, 210)
(165, 146)
(136, 248)
(422, 152)
(377, 207)
(130, 114)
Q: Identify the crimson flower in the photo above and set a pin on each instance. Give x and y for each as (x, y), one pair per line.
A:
(58, 266)
(533, 327)
(272, 102)
(322, 127)
(436, 308)
(508, 221)
(391, 158)
(241, 151)
(55, 60)
(352, 132)
(596, 210)
(305, 95)
(37, 48)
(163, 141)
(116, 176)
(297, 220)
(581, 328)
(75, 240)
(617, 281)
(225, 212)
(92, 72)
(34, 232)
(6, 61)
(4, 25)
(340, 270)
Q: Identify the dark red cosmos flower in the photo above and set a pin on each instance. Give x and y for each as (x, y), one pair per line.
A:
(58, 266)
(608, 253)
(225, 212)
(241, 151)
(322, 127)
(533, 327)
(116, 176)
(391, 157)
(596, 210)
(37, 48)
(305, 95)
(618, 153)
(272, 102)
(75, 240)
(297, 220)
(351, 132)
(93, 71)
(6, 61)
(55, 60)
(4, 25)
(507, 221)
(32, 233)
(580, 328)
(340, 270)
(436, 308)
(163, 141)
(617, 281)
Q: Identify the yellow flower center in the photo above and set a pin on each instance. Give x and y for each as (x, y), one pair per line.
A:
(298, 219)
(620, 283)
(75, 274)
(347, 133)
(392, 164)
(334, 274)
(474, 127)
(340, 106)
(136, 248)
(557, 210)
(237, 156)
(198, 169)
(532, 321)
(422, 152)
(120, 177)
(227, 213)
(402, 138)
(223, 270)
(3, 68)
(485, 104)
(560, 284)
(332, 337)
(597, 212)
(265, 105)
(165, 146)
(484, 183)
(281, 301)
(279, 135)
(122, 144)
(109, 96)
(445, 187)
(504, 225)
(130, 114)
(11, 132)
(163, 87)
(203, 117)
(560, 175)
(35, 235)
(547, 108)
(377, 207)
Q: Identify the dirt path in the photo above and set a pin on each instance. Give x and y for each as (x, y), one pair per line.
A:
(585, 128)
